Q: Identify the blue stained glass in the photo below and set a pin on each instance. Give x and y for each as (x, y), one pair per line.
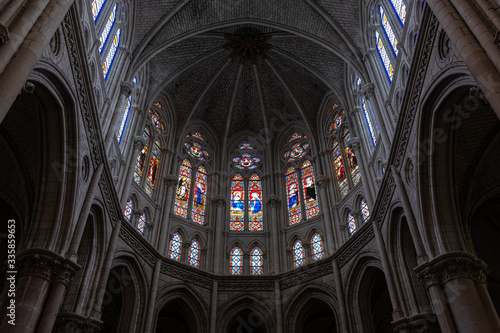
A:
(129, 208)
(400, 9)
(124, 119)
(317, 247)
(236, 262)
(96, 8)
(194, 254)
(175, 247)
(384, 57)
(369, 122)
(256, 262)
(351, 224)
(386, 26)
(107, 28)
(365, 212)
(299, 255)
(141, 224)
(106, 67)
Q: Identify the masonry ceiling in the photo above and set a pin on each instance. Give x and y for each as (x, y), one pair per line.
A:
(242, 65)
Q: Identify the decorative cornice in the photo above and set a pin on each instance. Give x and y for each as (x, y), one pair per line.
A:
(72, 322)
(309, 273)
(185, 274)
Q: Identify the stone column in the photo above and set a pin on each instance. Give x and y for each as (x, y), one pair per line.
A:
(482, 69)
(278, 302)
(220, 203)
(138, 144)
(368, 91)
(454, 281)
(44, 17)
(62, 274)
(389, 277)
(322, 183)
(355, 146)
(114, 122)
(273, 203)
(70, 322)
(340, 297)
(36, 269)
(170, 184)
(152, 297)
(213, 307)
(108, 260)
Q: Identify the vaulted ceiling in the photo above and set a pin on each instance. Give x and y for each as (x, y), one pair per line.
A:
(242, 65)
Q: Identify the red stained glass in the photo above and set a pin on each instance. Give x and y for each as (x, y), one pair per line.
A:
(200, 190)
(292, 188)
(181, 200)
(340, 170)
(237, 211)
(255, 203)
(153, 168)
(141, 159)
(310, 199)
(351, 159)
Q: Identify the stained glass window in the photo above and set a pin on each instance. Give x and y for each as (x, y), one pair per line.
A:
(337, 121)
(181, 199)
(400, 9)
(299, 255)
(255, 203)
(107, 28)
(384, 57)
(237, 211)
(296, 136)
(194, 149)
(153, 168)
(297, 151)
(351, 159)
(194, 254)
(317, 247)
(141, 224)
(292, 188)
(141, 159)
(351, 224)
(158, 104)
(369, 123)
(175, 247)
(129, 208)
(386, 26)
(96, 8)
(310, 200)
(106, 66)
(339, 169)
(256, 262)
(365, 212)
(236, 262)
(246, 161)
(124, 119)
(245, 146)
(155, 119)
(200, 190)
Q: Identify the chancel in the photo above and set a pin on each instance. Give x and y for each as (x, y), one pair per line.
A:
(197, 166)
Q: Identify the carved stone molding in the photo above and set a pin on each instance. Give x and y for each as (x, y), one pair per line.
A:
(368, 90)
(322, 181)
(308, 274)
(139, 142)
(246, 286)
(4, 34)
(273, 201)
(425, 322)
(126, 88)
(47, 265)
(72, 322)
(170, 180)
(185, 274)
(450, 266)
(219, 201)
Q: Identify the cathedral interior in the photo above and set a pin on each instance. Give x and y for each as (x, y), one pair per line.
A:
(249, 166)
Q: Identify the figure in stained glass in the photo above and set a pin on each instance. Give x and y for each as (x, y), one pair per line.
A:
(237, 209)
(182, 194)
(255, 214)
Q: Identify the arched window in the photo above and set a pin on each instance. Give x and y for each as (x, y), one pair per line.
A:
(311, 202)
(236, 261)
(141, 159)
(256, 262)
(175, 248)
(96, 8)
(124, 119)
(400, 9)
(365, 212)
(351, 224)
(141, 224)
(194, 254)
(389, 33)
(344, 159)
(351, 159)
(299, 255)
(107, 28)
(292, 191)
(237, 211)
(317, 247)
(255, 203)
(198, 212)
(246, 210)
(367, 113)
(129, 209)
(153, 168)
(300, 185)
(110, 57)
(384, 56)
(183, 187)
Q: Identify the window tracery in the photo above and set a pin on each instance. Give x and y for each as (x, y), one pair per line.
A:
(141, 224)
(129, 209)
(317, 247)
(256, 262)
(351, 224)
(365, 212)
(236, 261)
(175, 247)
(298, 253)
(194, 254)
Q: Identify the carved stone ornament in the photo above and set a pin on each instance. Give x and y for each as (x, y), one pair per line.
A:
(126, 88)
(219, 201)
(170, 180)
(450, 266)
(368, 89)
(71, 322)
(322, 181)
(273, 201)
(47, 265)
(4, 34)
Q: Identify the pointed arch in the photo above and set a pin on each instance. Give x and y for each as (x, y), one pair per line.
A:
(175, 248)
(141, 223)
(96, 8)
(140, 164)
(256, 261)
(110, 57)
(236, 261)
(351, 159)
(129, 209)
(103, 39)
(340, 169)
(183, 187)
(363, 209)
(153, 168)
(124, 120)
(351, 223)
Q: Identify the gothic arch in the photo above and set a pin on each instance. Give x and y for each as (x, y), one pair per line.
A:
(189, 301)
(315, 294)
(254, 313)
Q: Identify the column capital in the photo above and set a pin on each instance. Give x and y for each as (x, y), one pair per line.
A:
(368, 89)
(451, 266)
(219, 201)
(368, 53)
(72, 322)
(139, 142)
(170, 180)
(46, 264)
(273, 201)
(4, 34)
(126, 88)
(322, 181)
